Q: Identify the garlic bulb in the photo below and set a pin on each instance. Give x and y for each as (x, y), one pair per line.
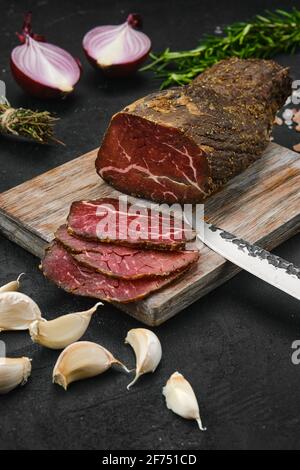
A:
(13, 372)
(64, 330)
(12, 286)
(17, 311)
(181, 399)
(82, 360)
(147, 348)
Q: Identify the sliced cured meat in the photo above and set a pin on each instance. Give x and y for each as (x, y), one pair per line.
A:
(124, 262)
(75, 244)
(108, 221)
(185, 143)
(60, 267)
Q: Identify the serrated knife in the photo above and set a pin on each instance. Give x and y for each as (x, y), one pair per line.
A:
(252, 258)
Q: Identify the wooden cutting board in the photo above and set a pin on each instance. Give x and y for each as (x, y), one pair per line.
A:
(261, 205)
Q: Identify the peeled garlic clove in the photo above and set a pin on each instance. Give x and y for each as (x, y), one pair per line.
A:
(12, 286)
(82, 360)
(181, 399)
(13, 372)
(147, 348)
(17, 311)
(64, 330)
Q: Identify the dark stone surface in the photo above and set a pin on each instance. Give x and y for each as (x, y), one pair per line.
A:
(234, 345)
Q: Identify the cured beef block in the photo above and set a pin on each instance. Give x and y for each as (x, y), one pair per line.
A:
(60, 267)
(124, 262)
(103, 220)
(185, 143)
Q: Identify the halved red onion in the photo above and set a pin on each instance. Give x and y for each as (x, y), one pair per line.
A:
(42, 69)
(117, 50)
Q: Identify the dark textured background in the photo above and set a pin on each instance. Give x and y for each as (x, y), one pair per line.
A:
(234, 345)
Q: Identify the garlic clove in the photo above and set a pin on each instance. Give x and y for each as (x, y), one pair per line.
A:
(181, 399)
(17, 311)
(82, 360)
(13, 285)
(147, 348)
(13, 372)
(64, 330)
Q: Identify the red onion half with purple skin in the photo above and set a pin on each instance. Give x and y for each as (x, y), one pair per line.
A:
(42, 69)
(117, 50)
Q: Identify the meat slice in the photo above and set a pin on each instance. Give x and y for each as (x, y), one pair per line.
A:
(107, 221)
(185, 143)
(60, 267)
(124, 262)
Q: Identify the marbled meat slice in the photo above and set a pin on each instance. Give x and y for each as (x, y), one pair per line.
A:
(106, 221)
(124, 262)
(60, 267)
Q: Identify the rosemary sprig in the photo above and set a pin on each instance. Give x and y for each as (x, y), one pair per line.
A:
(263, 37)
(34, 125)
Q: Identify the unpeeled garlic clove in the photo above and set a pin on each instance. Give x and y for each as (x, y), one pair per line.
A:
(12, 286)
(17, 311)
(82, 360)
(13, 372)
(181, 399)
(64, 330)
(147, 348)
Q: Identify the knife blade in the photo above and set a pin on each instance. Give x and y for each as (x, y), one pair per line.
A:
(272, 269)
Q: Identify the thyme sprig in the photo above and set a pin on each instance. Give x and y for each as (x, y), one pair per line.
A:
(263, 37)
(34, 125)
